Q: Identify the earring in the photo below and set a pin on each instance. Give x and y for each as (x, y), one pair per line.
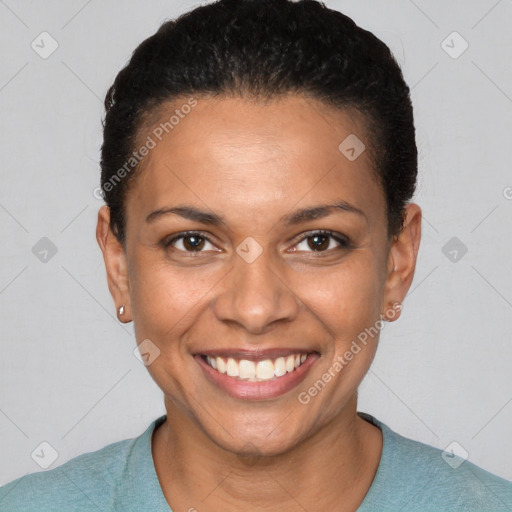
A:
(121, 310)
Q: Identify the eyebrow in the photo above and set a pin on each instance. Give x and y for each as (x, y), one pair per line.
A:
(297, 217)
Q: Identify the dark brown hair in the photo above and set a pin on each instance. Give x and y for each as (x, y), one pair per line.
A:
(264, 48)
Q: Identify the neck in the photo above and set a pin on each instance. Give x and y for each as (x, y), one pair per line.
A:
(331, 470)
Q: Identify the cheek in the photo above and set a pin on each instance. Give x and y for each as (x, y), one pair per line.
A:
(347, 297)
(166, 302)
(164, 298)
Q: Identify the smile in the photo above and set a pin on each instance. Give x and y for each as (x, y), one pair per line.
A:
(256, 375)
(252, 371)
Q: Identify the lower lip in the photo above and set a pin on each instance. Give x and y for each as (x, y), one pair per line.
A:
(263, 390)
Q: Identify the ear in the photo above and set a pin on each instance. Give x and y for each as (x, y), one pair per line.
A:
(402, 262)
(116, 265)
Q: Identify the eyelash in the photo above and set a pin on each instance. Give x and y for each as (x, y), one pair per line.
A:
(342, 240)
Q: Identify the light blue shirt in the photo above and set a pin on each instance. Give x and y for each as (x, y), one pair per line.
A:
(121, 477)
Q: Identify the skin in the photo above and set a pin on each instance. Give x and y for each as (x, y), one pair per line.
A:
(254, 163)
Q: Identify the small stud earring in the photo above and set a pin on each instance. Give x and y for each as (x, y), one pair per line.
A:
(121, 310)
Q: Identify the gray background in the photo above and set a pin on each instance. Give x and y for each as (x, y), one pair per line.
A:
(68, 375)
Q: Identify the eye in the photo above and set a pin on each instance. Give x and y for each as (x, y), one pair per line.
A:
(322, 241)
(315, 241)
(189, 242)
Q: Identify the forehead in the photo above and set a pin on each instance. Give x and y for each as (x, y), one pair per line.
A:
(255, 154)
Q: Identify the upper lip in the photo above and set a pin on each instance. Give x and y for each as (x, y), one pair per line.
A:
(254, 355)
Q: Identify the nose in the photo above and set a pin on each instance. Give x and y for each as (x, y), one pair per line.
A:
(256, 295)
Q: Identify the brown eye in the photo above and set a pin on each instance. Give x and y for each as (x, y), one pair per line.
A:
(318, 242)
(191, 242)
(321, 241)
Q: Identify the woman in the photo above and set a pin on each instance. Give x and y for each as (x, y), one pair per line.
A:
(258, 166)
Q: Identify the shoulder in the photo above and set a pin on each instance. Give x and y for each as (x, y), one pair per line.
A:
(91, 481)
(419, 477)
(450, 479)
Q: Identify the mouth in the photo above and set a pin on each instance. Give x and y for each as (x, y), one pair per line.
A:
(256, 371)
(256, 375)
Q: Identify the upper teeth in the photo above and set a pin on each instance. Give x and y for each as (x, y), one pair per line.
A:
(253, 371)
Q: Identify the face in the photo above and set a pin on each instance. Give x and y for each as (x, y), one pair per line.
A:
(252, 287)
